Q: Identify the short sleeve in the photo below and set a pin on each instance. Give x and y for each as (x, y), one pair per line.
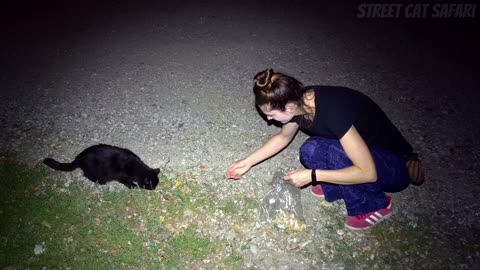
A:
(339, 120)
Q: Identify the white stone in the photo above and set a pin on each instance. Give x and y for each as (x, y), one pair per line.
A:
(39, 249)
(254, 250)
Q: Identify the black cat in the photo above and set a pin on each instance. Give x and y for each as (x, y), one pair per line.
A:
(103, 163)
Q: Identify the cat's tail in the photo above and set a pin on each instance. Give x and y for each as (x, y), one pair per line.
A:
(66, 167)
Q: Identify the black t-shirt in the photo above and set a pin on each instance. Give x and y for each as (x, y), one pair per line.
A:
(338, 108)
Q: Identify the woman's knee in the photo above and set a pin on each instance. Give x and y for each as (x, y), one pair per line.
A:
(307, 150)
(321, 153)
(313, 152)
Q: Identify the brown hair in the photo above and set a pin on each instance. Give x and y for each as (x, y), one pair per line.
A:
(277, 89)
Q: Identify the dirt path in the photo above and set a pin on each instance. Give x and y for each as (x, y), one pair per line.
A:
(173, 81)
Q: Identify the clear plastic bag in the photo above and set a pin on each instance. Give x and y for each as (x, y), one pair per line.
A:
(282, 205)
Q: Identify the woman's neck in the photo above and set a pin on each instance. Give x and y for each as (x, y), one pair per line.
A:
(309, 99)
(308, 105)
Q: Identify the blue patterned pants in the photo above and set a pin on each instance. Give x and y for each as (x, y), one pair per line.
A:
(328, 154)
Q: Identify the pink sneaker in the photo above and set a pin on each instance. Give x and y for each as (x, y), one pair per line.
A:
(367, 220)
(318, 191)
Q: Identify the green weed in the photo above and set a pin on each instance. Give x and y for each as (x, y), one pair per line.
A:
(83, 229)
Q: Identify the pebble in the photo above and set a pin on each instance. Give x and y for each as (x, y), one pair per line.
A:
(230, 236)
(39, 249)
(254, 250)
(187, 213)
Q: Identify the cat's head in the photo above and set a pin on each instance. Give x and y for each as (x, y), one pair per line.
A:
(150, 180)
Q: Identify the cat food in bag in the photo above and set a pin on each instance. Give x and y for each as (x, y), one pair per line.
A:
(282, 205)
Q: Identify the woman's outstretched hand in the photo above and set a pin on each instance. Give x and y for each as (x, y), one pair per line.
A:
(237, 169)
(298, 177)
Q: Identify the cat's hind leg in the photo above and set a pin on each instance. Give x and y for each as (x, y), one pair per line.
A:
(127, 182)
(94, 179)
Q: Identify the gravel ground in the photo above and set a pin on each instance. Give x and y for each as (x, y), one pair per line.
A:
(173, 83)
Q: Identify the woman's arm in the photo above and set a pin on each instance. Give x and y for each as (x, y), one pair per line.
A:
(274, 145)
(362, 171)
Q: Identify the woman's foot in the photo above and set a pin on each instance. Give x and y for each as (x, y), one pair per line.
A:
(318, 191)
(367, 220)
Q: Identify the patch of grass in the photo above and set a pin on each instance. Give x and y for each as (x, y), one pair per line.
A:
(250, 203)
(240, 204)
(230, 207)
(399, 238)
(82, 229)
(234, 261)
(193, 247)
(17, 209)
(169, 228)
(392, 244)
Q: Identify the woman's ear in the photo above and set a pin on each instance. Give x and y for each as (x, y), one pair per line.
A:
(290, 107)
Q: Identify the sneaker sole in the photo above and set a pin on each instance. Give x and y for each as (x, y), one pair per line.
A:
(366, 228)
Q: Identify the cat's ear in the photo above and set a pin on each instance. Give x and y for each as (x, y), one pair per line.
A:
(156, 171)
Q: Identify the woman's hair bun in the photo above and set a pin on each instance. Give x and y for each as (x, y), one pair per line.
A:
(264, 78)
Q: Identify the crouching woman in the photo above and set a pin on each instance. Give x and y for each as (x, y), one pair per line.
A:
(354, 153)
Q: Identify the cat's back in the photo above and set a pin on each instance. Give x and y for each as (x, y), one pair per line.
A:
(105, 151)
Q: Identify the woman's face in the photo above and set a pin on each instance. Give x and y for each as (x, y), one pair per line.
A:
(277, 115)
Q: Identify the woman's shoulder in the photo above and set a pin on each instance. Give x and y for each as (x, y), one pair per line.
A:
(326, 88)
(328, 93)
